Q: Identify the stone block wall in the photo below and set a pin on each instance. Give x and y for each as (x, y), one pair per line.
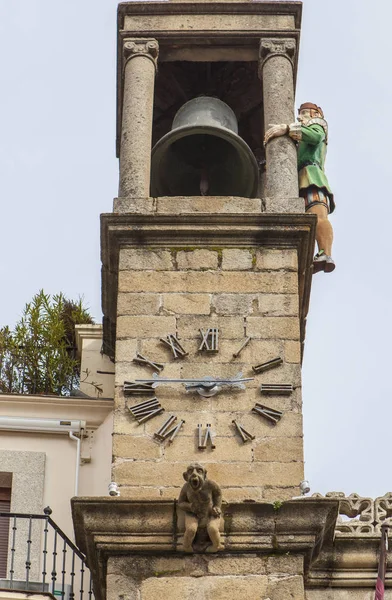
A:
(243, 577)
(244, 292)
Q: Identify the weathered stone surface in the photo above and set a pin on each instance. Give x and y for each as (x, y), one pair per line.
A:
(214, 369)
(204, 22)
(235, 259)
(138, 304)
(140, 260)
(289, 426)
(237, 565)
(213, 588)
(138, 327)
(205, 204)
(208, 282)
(126, 349)
(234, 304)
(193, 566)
(123, 422)
(133, 205)
(227, 449)
(136, 447)
(230, 474)
(284, 205)
(289, 588)
(292, 352)
(229, 327)
(197, 259)
(288, 565)
(273, 327)
(278, 305)
(272, 494)
(275, 259)
(187, 304)
(145, 473)
(279, 474)
(242, 494)
(121, 586)
(139, 492)
(282, 449)
(288, 373)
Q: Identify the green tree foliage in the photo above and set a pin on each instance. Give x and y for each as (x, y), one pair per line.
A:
(39, 355)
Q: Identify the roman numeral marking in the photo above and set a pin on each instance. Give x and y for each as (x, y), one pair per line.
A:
(207, 437)
(142, 360)
(236, 354)
(165, 432)
(175, 346)
(277, 389)
(144, 411)
(209, 340)
(245, 435)
(270, 364)
(270, 414)
(131, 388)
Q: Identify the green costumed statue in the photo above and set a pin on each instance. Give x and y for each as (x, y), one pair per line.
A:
(311, 134)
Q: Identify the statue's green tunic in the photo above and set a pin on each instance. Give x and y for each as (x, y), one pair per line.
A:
(312, 151)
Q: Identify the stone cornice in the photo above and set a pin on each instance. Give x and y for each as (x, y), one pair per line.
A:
(93, 411)
(350, 562)
(106, 527)
(217, 229)
(191, 8)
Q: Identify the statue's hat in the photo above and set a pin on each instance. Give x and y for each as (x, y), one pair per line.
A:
(311, 106)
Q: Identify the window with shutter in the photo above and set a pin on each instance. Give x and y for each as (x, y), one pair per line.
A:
(5, 506)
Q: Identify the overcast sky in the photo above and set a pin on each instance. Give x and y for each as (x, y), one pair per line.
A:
(58, 172)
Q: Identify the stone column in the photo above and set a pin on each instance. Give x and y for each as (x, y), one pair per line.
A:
(276, 71)
(140, 59)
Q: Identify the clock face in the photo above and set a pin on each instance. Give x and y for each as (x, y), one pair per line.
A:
(145, 403)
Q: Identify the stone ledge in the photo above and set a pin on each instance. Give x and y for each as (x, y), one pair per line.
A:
(182, 205)
(177, 205)
(107, 527)
(350, 562)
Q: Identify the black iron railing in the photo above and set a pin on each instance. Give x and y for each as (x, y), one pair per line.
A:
(40, 557)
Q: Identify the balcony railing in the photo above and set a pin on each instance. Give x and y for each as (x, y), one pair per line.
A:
(40, 557)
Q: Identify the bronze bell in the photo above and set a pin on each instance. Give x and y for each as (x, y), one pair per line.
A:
(203, 154)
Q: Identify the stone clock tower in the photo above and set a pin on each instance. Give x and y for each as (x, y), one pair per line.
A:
(206, 280)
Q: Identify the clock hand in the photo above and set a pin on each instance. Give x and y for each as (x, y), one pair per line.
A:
(205, 386)
(156, 380)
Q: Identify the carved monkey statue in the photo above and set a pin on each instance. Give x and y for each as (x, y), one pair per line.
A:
(201, 499)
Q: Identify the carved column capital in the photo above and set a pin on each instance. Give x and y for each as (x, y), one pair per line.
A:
(271, 47)
(141, 47)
